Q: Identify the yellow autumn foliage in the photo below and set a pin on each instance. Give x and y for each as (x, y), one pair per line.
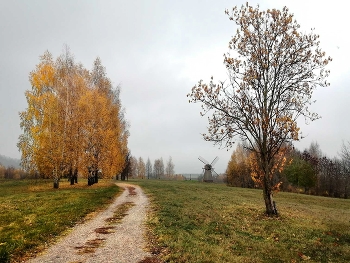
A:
(73, 120)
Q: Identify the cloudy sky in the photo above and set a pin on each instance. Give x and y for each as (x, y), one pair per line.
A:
(157, 51)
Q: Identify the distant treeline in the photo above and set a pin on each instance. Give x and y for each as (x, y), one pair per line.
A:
(308, 172)
(11, 172)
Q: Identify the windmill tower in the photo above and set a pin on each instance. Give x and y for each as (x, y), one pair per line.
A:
(208, 169)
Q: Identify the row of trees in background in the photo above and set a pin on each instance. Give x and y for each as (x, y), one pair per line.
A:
(309, 171)
(11, 172)
(74, 122)
(137, 168)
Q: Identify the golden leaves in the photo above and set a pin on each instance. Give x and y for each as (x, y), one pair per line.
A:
(73, 119)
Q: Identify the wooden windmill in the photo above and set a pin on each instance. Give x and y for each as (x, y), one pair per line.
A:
(208, 169)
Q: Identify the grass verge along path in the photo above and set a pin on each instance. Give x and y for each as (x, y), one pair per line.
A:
(33, 213)
(206, 222)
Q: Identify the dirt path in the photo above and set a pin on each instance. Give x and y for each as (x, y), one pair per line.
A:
(104, 238)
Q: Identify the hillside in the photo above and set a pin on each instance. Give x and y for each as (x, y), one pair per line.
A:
(7, 161)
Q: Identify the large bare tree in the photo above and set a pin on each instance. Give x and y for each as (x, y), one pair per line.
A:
(273, 69)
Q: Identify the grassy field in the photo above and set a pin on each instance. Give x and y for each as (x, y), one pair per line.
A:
(33, 213)
(198, 222)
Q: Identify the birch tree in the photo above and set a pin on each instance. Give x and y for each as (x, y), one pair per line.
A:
(41, 144)
(148, 168)
(169, 169)
(141, 168)
(158, 168)
(74, 121)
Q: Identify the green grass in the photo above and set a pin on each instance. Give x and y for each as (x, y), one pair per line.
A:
(33, 213)
(199, 222)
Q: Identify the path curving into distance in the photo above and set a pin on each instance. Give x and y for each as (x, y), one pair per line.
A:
(116, 234)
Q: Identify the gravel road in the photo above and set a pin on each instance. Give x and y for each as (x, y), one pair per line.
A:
(98, 240)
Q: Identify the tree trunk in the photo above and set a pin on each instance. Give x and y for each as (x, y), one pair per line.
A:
(56, 182)
(89, 180)
(75, 175)
(96, 177)
(56, 179)
(70, 175)
(267, 192)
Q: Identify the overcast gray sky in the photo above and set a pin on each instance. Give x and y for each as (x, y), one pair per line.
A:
(157, 51)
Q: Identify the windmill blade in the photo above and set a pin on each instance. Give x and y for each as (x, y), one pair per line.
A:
(214, 161)
(203, 160)
(215, 172)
